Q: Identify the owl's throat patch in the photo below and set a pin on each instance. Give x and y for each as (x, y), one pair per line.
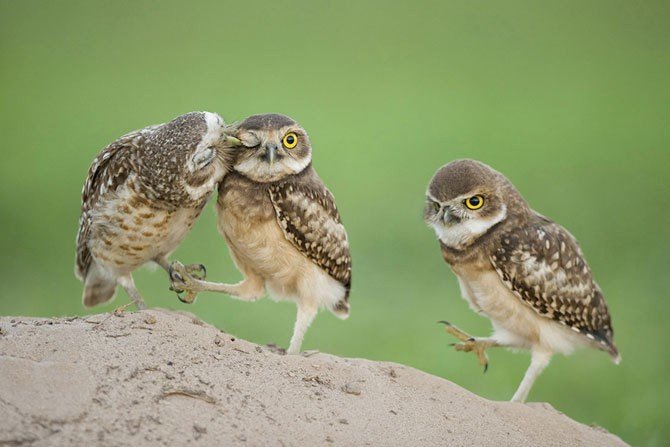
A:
(463, 232)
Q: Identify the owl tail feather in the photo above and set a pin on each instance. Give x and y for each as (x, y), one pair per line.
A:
(98, 288)
(615, 355)
(341, 309)
(608, 346)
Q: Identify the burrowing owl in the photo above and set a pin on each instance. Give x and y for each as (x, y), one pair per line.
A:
(142, 194)
(523, 271)
(281, 224)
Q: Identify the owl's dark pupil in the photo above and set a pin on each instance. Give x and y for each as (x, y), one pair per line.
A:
(474, 201)
(289, 140)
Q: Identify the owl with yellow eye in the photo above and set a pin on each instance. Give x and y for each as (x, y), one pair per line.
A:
(516, 267)
(281, 224)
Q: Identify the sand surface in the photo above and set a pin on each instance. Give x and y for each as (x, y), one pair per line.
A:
(162, 378)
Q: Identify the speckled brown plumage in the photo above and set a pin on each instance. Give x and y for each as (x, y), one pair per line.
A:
(281, 224)
(107, 172)
(307, 214)
(524, 272)
(543, 265)
(143, 192)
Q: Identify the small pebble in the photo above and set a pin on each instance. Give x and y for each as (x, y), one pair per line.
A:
(351, 388)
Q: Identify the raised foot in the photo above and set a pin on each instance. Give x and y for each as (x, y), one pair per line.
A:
(470, 344)
(185, 278)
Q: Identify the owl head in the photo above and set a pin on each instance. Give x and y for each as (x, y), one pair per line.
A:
(466, 199)
(185, 158)
(273, 147)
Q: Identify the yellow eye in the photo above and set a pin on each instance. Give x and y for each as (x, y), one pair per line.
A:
(474, 202)
(290, 140)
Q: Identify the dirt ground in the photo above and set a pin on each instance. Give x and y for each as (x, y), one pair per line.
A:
(163, 378)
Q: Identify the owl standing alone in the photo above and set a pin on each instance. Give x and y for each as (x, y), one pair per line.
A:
(142, 194)
(281, 225)
(518, 268)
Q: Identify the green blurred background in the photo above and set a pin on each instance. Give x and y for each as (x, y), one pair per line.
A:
(569, 99)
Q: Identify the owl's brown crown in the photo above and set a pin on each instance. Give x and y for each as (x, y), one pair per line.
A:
(463, 177)
(266, 121)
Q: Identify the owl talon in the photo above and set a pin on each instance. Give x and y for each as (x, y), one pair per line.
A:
(456, 332)
(470, 344)
(478, 347)
(175, 275)
(189, 298)
(182, 280)
(193, 268)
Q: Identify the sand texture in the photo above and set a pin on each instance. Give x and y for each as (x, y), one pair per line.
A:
(163, 378)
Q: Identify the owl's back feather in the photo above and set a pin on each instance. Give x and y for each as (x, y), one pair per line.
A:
(107, 172)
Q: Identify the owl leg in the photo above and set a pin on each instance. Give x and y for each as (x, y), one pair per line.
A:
(471, 344)
(304, 319)
(128, 285)
(249, 289)
(539, 360)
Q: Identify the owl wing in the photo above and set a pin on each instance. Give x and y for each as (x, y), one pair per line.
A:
(109, 170)
(308, 216)
(542, 264)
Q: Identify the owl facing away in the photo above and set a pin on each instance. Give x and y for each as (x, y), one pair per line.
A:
(281, 225)
(142, 195)
(524, 272)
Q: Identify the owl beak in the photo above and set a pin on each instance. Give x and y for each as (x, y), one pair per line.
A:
(448, 217)
(270, 154)
(232, 141)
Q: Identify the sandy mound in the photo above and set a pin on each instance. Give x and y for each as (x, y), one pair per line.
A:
(162, 378)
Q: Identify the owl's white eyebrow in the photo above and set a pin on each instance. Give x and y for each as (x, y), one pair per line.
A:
(430, 197)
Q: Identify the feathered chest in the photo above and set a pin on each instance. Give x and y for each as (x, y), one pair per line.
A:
(127, 223)
(245, 214)
(298, 215)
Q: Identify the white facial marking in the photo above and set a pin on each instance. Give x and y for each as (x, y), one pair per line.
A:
(461, 234)
(211, 136)
(260, 170)
(203, 155)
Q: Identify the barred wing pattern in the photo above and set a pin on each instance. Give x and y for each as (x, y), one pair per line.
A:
(108, 171)
(308, 216)
(542, 264)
